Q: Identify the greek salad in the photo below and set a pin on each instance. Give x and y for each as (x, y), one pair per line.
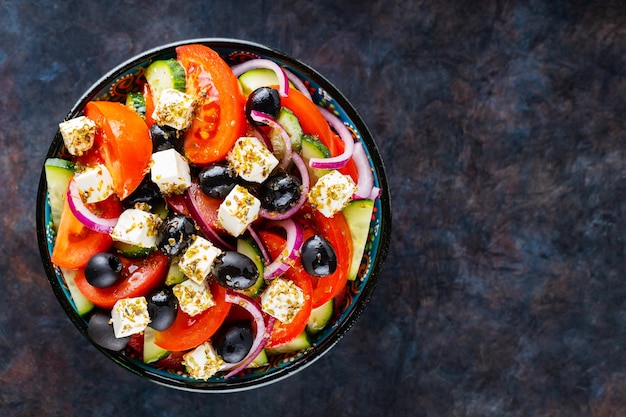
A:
(213, 219)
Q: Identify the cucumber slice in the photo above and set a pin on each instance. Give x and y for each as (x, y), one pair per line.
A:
(258, 77)
(320, 317)
(247, 246)
(151, 351)
(300, 342)
(358, 214)
(260, 360)
(174, 274)
(132, 251)
(137, 102)
(59, 172)
(82, 304)
(312, 147)
(291, 124)
(164, 74)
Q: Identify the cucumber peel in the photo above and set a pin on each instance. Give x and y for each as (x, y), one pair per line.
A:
(358, 214)
(82, 304)
(59, 172)
(164, 74)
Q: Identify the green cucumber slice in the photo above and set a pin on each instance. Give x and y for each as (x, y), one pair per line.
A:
(164, 74)
(312, 147)
(300, 342)
(151, 351)
(320, 317)
(59, 172)
(260, 360)
(291, 124)
(247, 246)
(82, 304)
(132, 251)
(137, 102)
(358, 214)
(258, 77)
(174, 274)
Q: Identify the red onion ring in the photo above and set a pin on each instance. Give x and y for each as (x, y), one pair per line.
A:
(297, 82)
(207, 229)
(260, 244)
(304, 191)
(261, 117)
(84, 215)
(339, 161)
(283, 81)
(375, 193)
(283, 262)
(261, 335)
(366, 177)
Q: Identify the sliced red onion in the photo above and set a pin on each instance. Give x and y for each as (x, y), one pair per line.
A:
(304, 191)
(339, 161)
(291, 252)
(260, 135)
(261, 117)
(259, 243)
(206, 228)
(84, 215)
(261, 335)
(283, 81)
(375, 193)
(297, 82)
(366, 177)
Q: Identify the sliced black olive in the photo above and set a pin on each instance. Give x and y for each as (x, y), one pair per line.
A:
(175, 234)
(101, 332)
(146, 193)
(318, 256)
(265, 100)
(234, 342)
(103, 269)
(280, 192)
(162, 308)
(217, 180)
(234, 270)
(164, 137)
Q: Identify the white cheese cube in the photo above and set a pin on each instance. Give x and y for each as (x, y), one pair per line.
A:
(282, 299)
(137, 227)
(170, 171)
(174, 108)
(130, 316)
(197, 261)
(251, 160)
(238, 210)
(94, 184)
(193, 298)
(78, 134)
(202, 362)
(332, 192)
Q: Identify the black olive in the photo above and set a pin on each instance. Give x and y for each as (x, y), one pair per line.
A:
(318, 256)
(146, 193)
(280, 192)
(162, 308)
(234, 342)
(175, 234)
(235, 270)
(103, 269)
(101, 332)
(265, 100)
(217, 180)
(164, 137)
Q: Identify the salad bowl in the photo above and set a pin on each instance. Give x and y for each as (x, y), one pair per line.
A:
(128, 77)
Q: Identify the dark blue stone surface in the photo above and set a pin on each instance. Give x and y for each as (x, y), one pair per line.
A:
(502, 127)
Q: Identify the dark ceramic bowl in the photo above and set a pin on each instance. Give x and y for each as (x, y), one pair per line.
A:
(125, 78)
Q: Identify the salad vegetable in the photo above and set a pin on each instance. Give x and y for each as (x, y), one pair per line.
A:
(212, 219)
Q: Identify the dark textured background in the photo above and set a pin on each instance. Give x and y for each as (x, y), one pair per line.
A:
(502, 128)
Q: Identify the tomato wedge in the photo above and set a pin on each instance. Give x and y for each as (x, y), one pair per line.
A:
(139, 276)
(284, 332)
(124, 143)
(187, 331)
(75, 243)
(149, 99)
(205, 206)
(220, 119)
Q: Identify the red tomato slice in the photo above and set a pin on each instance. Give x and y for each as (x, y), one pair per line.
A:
(124, 143)
(149, 99)
(335, 230)
(139, 276)
(220, 119)
(207, 207)
(187, 331)
(75, 244)
(284, 332)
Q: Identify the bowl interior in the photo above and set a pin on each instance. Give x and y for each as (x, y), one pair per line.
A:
(126, 78)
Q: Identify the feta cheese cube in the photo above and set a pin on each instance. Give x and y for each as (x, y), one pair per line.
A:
(197, 261)
(174, 108)
(137, 227)
(238, 210)
(251, 160)
(130, 316)
(94, 184)
(78, 134)
(202, 362)
(332, 192)
(193, 298)
(170, 171)
(282, 299)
